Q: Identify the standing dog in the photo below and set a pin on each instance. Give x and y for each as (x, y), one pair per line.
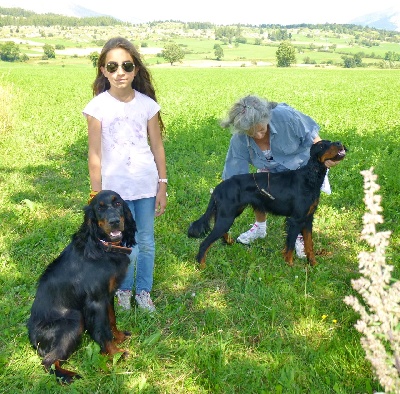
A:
(294, 194)
(76, 292)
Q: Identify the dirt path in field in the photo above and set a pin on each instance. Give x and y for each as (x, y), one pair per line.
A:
(213, 63)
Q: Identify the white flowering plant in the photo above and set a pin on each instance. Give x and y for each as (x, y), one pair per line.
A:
(379, 310)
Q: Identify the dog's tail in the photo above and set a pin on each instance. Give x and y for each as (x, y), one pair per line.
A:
(201, 226)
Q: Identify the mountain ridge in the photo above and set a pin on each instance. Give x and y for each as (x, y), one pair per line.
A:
(388, 19)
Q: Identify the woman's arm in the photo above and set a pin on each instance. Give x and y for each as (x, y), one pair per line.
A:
(237, 159)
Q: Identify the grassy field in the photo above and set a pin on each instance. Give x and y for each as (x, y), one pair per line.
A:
(247, 323)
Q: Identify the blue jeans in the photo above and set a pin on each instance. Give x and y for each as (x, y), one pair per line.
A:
(143, 253)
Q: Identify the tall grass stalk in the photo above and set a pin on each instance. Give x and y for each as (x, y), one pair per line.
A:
(380, 307)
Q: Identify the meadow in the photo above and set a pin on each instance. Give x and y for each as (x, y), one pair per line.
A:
(248, 323)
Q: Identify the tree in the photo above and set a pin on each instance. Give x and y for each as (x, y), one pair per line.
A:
(9, 52)
(285, 54)
(391, 56)
(241, 40)
(173, 53)
(358, 60)
(94, 57)
(49, 51)
(218, 51)
(348, 62)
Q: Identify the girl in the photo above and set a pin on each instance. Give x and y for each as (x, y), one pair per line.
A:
(126, 154)
(272, 137)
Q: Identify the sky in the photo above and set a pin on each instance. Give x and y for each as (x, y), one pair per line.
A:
(219, 11)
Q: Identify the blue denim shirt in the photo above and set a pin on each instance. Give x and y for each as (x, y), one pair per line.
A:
(291, 135)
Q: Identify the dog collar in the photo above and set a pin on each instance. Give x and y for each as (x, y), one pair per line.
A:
(115, 247)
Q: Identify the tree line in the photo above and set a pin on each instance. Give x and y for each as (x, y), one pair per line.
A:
(21, 17)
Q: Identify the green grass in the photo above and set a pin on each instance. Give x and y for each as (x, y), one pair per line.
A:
(245, 324)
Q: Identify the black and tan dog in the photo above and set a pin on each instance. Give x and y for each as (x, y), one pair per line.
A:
(76, 291)
(294, 194)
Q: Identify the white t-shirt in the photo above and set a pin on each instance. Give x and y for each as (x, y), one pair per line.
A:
(127, 163)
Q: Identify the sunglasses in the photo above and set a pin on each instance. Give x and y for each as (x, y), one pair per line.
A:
(126, 66)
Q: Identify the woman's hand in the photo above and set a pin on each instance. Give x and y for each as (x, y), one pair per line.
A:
(331, 163)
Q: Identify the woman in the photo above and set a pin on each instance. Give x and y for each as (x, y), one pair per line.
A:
(272, 137)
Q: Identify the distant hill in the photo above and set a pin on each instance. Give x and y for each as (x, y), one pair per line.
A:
(65, 8)
(388, 19)
(76, 10)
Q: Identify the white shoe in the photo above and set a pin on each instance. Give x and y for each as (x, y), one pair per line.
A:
(144, 301)
(124, 299)
(299, 247)
(249, 236)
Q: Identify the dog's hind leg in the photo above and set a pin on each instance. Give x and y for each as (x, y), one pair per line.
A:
(63, 335)
(63, 376)
(228, 239)
(220, 229)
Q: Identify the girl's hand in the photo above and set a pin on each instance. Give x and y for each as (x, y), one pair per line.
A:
(161, 202)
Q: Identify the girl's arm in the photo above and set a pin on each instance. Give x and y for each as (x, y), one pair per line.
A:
(157, 148)
(94, 152)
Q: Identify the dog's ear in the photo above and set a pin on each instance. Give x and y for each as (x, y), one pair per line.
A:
(87, 237)
(128, 235)
(319, 148)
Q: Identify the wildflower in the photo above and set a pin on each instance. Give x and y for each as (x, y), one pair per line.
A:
(380, 316)
(324, 317)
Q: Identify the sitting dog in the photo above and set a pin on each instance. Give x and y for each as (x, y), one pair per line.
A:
(294, 194)
(76, 291)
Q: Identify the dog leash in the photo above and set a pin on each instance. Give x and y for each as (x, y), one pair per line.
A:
(114, 247)
(263, 191)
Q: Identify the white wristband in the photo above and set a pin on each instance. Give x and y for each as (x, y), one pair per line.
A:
(163, 180)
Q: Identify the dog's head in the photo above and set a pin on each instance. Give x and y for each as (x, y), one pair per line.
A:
(107, 208)
(327, 150)
(107, 218)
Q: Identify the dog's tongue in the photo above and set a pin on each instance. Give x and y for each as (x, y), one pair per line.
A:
(115, 234)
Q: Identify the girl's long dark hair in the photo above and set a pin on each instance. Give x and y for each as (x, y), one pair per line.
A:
(142, 82)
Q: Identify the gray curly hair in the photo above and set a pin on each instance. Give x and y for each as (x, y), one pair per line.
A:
(248, 112)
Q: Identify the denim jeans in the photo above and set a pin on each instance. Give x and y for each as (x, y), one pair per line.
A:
(142, 256)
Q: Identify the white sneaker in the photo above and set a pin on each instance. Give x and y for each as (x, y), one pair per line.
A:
(124, 298)
(299, 247)
(144, 301)
(251, 235)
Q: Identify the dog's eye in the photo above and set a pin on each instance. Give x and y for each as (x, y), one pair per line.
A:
(118, 203)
